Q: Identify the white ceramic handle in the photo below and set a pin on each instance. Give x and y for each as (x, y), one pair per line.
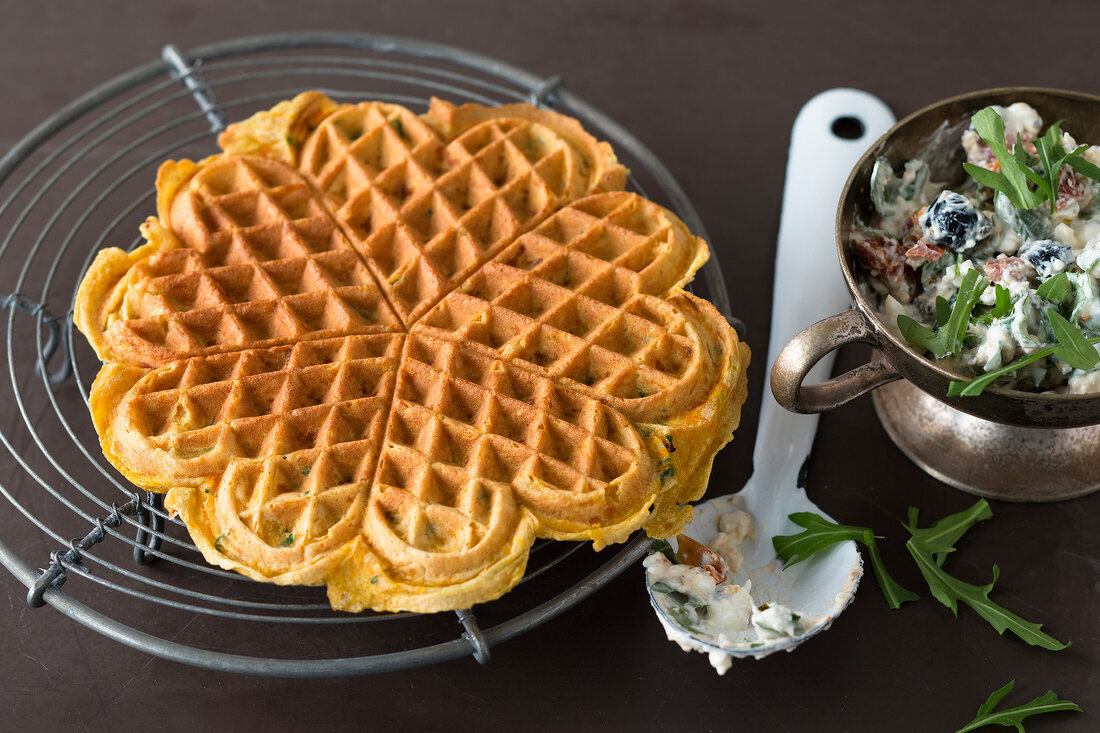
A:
(808, 285)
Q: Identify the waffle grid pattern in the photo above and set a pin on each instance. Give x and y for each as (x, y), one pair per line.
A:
(425, 213)
(576, 299)
(260, 262)
(265, 402)
(470, 437)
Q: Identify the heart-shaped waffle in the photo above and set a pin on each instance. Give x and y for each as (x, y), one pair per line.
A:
(385, 352)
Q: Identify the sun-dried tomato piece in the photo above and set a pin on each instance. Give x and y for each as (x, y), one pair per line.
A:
(921, 252)
(910, 231)
(1008, 268)
(885, 258)
(1072, 187)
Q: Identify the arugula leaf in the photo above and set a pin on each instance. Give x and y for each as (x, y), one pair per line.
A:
(949, 590)
(1016, 174)
(1055, 289)
(821, 533)
(1003, 304)
(684, 617)
(887, 189)
(996, 181)
(883, 186)
(1001, 307)
(679, 597)
(1073, 347)
(689, 601)
(1028, 223)
(662, 587)
(893, 592)
(1013, 179)
(946, 340)
(1019, 154)
(974, 387)
(930, 546)
(943, 311)
(1052, 155)
(1082, 166)
(941, 537)
(1009, 717)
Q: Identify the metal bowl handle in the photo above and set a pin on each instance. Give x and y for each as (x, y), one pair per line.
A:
(807, 348)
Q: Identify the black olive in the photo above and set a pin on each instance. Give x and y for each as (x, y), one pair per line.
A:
(950, 221)
(1047, 256)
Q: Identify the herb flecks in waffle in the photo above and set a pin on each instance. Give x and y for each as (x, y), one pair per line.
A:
(385, 352)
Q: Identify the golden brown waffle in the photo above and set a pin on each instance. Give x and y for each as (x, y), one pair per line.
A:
(428, 199)
(314, 420)
(593, 299)
(185, 422)
(243, 255)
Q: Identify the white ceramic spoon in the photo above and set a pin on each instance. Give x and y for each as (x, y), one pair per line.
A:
(808, 287)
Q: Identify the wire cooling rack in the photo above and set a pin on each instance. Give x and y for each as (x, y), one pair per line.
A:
(82, 180)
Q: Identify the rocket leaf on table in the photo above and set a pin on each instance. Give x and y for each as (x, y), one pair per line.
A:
(929, 548)
(941, 537)
(1014, 717)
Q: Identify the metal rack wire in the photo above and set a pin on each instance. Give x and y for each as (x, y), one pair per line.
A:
(81, 181)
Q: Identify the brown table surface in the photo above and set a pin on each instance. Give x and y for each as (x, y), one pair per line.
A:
(712, 88)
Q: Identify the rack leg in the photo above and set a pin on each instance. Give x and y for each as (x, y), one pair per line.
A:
(473, 635)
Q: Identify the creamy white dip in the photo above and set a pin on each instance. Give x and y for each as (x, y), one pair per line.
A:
(722, 615)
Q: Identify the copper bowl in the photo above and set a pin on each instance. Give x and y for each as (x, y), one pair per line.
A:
(936, 126)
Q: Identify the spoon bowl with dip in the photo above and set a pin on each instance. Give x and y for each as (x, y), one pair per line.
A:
(757, 608)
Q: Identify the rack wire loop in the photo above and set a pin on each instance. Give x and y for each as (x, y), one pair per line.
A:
(196, 84)
(54, 575)
(473, 635)
(54, 340)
